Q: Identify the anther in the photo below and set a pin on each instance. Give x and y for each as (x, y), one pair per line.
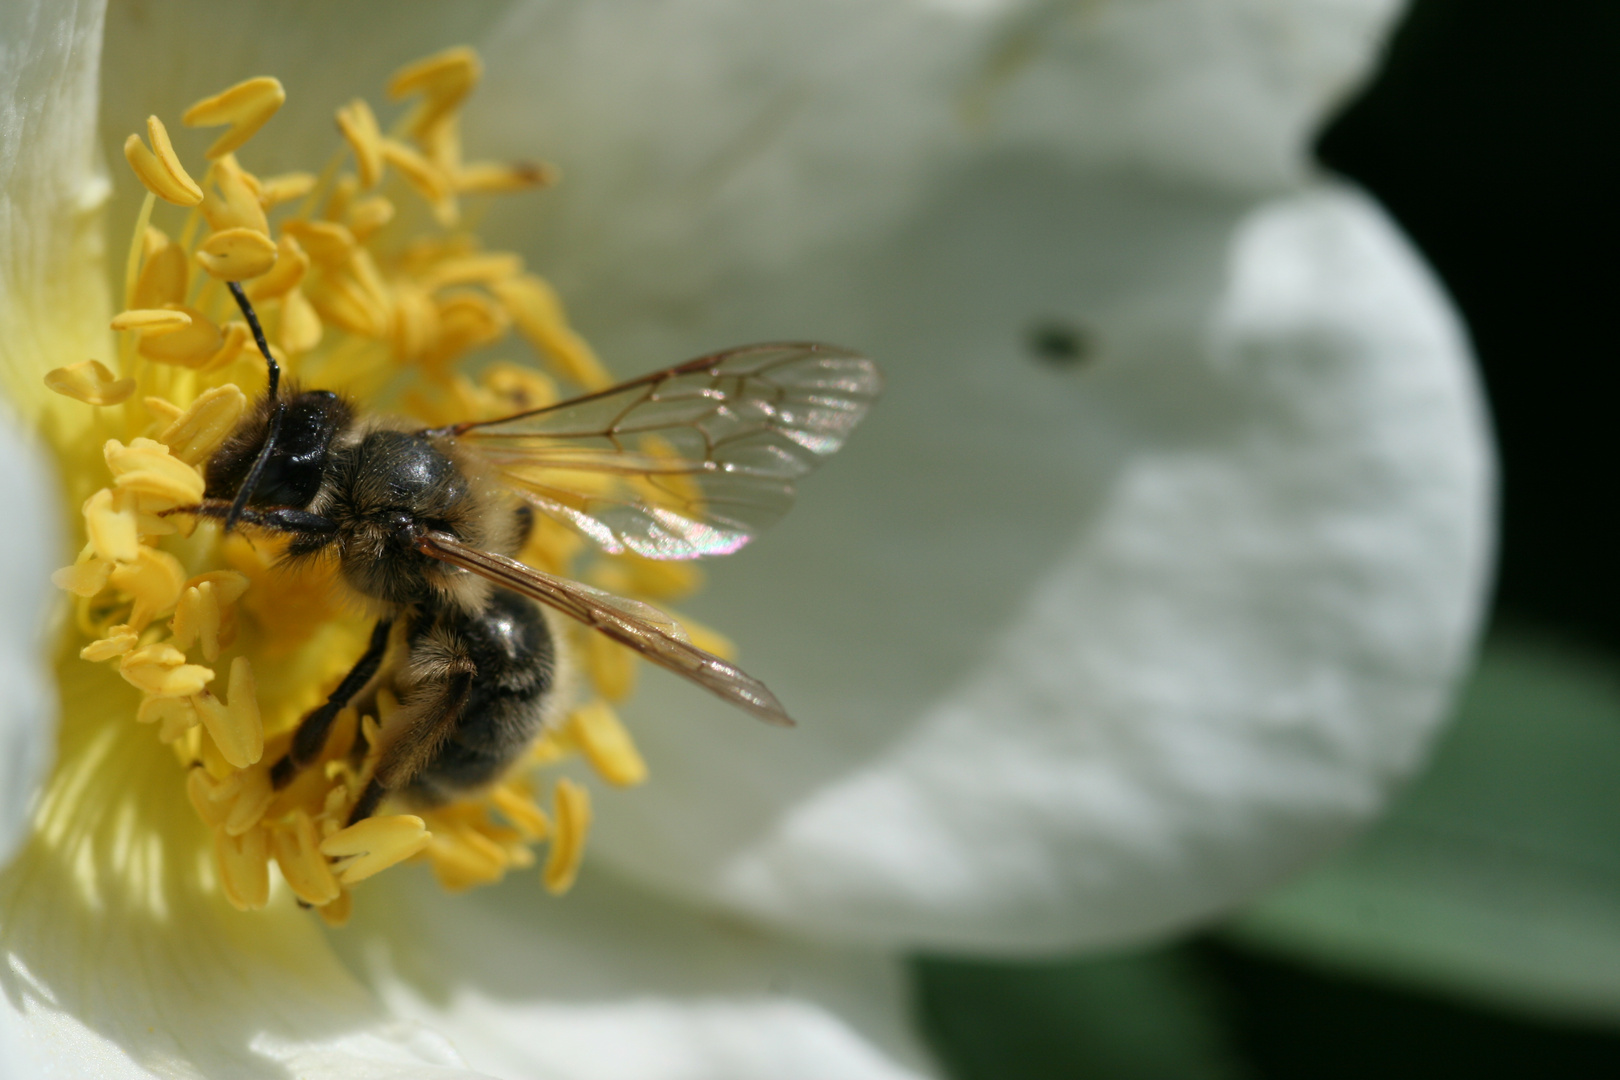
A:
(159, 168)
(607, 745)
(91, 382)
(572, 811)
(237, 254)
(443, 79)
(245, 106)
(373, 845)
(152, 321)
(359, 127)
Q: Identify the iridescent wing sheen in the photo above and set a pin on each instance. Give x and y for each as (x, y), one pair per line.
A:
(687, 462)
(642, 627)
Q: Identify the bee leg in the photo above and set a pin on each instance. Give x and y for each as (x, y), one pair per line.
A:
(434, 718)
(280, 519)
(310, 738)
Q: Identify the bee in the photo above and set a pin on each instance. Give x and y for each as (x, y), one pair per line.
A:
(683, 463)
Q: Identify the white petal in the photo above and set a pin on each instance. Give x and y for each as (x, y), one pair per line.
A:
(118, 959)
(609, 984)
(53, 294)
(707, 141)
(1082, 656)
(28, 550)
(1227, 92)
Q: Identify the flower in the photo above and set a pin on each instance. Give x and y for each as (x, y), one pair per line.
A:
(1148, 580)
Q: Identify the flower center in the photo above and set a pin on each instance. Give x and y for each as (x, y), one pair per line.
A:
(365, 285)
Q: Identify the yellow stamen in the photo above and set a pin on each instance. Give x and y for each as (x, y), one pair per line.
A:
(373, 845)
(245, 106)
(112, 521)
(606, 744)
(147, 468)
(521, 811)
(285, 188)
(192, 436)
(88, 575)
(289, 270)
(161, 670)
(117, 643)
(359, 127)
(89, 381)
(244, 868)
(300, 325)
(197, 620)
(443, 79)
(482, 268)
(174, 717)
(424, 176)
(572, 810)
(154, 579)
(193, 345)
(159, 168)
(235, 728)
(327, 242)
(230, 200)
(538, 313)
(237, 254)
(491, 177)
(164, 274)
(366, 217)
(151, 321)
(296, 848)
(612, 666)
(337, 913)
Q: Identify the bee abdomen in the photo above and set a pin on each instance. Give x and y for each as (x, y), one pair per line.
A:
(510, 646)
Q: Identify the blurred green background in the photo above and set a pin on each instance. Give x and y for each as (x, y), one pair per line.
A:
(1476, 931)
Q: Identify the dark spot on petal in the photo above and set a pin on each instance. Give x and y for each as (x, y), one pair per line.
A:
(1060, 344)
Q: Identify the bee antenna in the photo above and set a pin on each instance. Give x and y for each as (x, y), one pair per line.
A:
(245, 492)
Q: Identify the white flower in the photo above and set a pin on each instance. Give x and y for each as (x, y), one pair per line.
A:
(1082, 652)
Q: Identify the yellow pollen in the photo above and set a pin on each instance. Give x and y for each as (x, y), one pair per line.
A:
(244, 868)
(91, 382)
(291, 265)
(147, 468)
(112, 521)
(572, 809)
(151, 321)
(444, 80)
(237, 254)
(602, 738)
(117, 643)
(245, 106)
(368, 216)
(236, 728)
(159, 169)
(359, 127)
(230, 201)
(164, 274)
(194, 434)
(538, 313)
(373, 845)
(193, 345)
(490, 177)
(296, 848)
(424, 176)
(276, 190)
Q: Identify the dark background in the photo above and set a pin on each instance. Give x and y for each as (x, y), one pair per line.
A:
(1489, 137)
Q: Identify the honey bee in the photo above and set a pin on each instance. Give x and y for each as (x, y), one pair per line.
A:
(687, 462)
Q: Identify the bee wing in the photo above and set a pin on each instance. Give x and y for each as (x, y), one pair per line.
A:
(642, 627)
(691, 461)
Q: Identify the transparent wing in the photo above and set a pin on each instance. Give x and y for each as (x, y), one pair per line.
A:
(642, 627)
(691, 461)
